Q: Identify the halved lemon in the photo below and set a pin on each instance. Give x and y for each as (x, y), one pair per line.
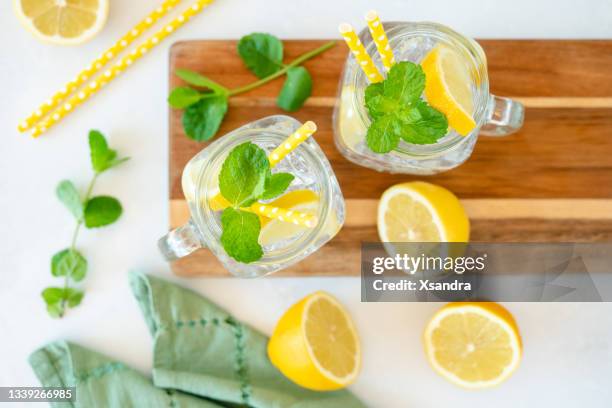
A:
(448, 88)
(315, 344)
(421, 212)
(64, 22)
(473, 344)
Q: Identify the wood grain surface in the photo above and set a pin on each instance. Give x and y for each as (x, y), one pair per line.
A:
(552, 181)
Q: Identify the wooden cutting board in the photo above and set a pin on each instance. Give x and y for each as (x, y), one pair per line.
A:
(550, 182)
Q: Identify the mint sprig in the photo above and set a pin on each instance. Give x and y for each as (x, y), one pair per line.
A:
(398, 112)
(93, 212)
(262, 54)
(245, 178)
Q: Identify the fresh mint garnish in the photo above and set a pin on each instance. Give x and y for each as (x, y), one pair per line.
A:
(398, 112)
(240, 235)
(244, 179)
(99, 211)
(262, 54)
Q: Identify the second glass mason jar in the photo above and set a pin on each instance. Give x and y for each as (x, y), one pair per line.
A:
(494, 116)
(314, 179)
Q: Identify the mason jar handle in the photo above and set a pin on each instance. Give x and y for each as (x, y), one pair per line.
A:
(505, 117)
(180, 242)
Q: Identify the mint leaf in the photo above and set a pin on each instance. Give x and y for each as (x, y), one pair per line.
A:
(373, 90)
(276, 185)
(70, 197)
(243, 174)
(380, 105)
(261, 53)
(423, 124)
(73, 296)
(296, 89)
(202, 120)
(55, 310)
(183, 96)
(240, 235)
(53, 295)
(101, 211)
(405, 82)
(69, 262)
(102, 157)
(384, 134)
(196, 79)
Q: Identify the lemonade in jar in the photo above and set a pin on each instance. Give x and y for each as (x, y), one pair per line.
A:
(261, 198)
(414, 97)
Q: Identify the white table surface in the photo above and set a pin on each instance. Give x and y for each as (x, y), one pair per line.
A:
(568, 352)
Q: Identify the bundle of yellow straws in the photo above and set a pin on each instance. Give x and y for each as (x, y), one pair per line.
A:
(380, 40)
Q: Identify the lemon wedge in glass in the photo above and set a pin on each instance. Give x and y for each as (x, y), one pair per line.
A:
(448, 88)
(273, 230)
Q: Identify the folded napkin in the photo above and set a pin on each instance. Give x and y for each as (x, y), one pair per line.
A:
(202, 357)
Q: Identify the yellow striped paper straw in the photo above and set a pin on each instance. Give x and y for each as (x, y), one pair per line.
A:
(284, 215)
(362, 57)
(292, 142)
(108, 75)
(380, 39)
(97, 64)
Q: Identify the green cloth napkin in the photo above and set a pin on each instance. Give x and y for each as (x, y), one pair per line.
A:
(202, 357)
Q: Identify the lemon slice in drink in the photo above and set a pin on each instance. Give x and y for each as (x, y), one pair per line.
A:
(315, 344)
(421, 212)
(64, 22)
(448, 88)
(272, 231)
(474, 345)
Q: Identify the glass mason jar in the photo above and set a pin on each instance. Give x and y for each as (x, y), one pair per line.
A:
(307, 163)
(494, 116)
